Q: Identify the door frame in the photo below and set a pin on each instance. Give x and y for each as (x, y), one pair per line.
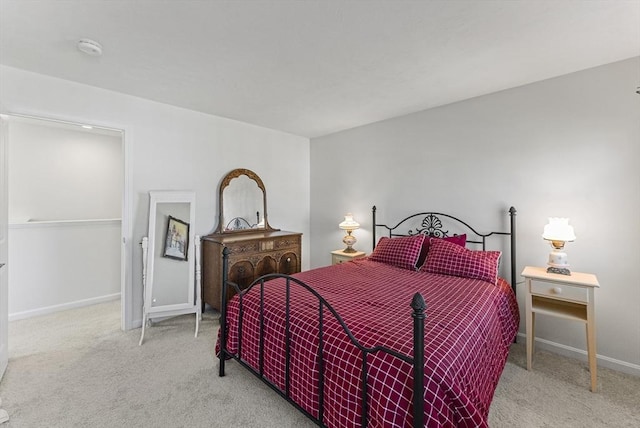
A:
(126, 226)
(4, 242)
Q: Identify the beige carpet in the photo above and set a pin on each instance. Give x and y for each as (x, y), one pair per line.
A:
(77, 369)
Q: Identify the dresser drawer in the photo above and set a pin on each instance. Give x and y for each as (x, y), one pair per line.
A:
(243, 247)
(262, 245)
(564, 292)
(287, 242)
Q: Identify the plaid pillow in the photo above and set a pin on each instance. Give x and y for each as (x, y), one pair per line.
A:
(402, 252)
(456, 239)
(450, 259)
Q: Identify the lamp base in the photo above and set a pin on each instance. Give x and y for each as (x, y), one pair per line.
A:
(349, 240)
(559, 271)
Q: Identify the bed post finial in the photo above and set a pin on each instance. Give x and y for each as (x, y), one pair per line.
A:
(419, 306)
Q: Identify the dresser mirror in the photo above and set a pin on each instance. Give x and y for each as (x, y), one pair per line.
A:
(171, 258)
(242, 202)
(255, 248)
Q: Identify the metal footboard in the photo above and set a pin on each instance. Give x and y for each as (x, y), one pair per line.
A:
(324, 309)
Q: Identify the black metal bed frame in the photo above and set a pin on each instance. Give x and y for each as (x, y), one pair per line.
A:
(431, 226)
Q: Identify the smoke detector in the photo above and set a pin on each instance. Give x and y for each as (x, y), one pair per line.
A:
(90, 47)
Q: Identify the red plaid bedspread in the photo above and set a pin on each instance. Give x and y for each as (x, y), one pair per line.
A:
(469, 327)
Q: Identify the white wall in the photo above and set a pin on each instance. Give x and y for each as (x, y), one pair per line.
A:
(568, 147)
(56, 173)
(61, 265)
(169, 148)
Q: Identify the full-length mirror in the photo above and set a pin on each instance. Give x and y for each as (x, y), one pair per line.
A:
(171, 260)
(243, 203)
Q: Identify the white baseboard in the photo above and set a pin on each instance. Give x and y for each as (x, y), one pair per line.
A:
(579, 354)
(62, 307)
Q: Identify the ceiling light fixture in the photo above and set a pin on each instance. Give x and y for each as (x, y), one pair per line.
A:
(90, 47)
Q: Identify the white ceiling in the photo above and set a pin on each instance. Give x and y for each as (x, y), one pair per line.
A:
(315, 67)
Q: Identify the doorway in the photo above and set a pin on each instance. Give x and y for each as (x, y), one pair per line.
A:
(67, 210)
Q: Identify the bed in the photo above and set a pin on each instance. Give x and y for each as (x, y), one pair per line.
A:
(379, 342)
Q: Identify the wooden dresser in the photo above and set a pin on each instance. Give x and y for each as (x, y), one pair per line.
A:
(252, 254)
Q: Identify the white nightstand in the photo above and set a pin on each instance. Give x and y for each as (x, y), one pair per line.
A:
(339, 256)
(564, 296)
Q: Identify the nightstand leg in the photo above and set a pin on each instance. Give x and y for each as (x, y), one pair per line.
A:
(531, 319)
(533, 334)
(591, 351)
(591, 347)
(529, 326)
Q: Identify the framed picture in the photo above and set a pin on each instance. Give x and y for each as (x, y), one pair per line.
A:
(177, 240)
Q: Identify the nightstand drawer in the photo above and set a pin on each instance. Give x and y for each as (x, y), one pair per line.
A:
(339, 259)
(339, 256)
(564, 292)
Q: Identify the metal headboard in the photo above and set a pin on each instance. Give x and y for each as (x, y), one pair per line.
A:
(432, 225)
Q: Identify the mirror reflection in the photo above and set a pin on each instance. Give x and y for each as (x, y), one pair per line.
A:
(243, 203)
(171, 267)
(243, 207)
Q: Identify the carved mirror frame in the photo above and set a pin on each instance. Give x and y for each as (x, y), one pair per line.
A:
(224, 184)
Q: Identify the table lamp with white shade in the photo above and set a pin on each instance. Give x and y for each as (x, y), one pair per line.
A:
(349, 224)
(557, 232)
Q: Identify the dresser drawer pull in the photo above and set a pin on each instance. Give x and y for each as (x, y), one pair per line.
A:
(557, 290)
